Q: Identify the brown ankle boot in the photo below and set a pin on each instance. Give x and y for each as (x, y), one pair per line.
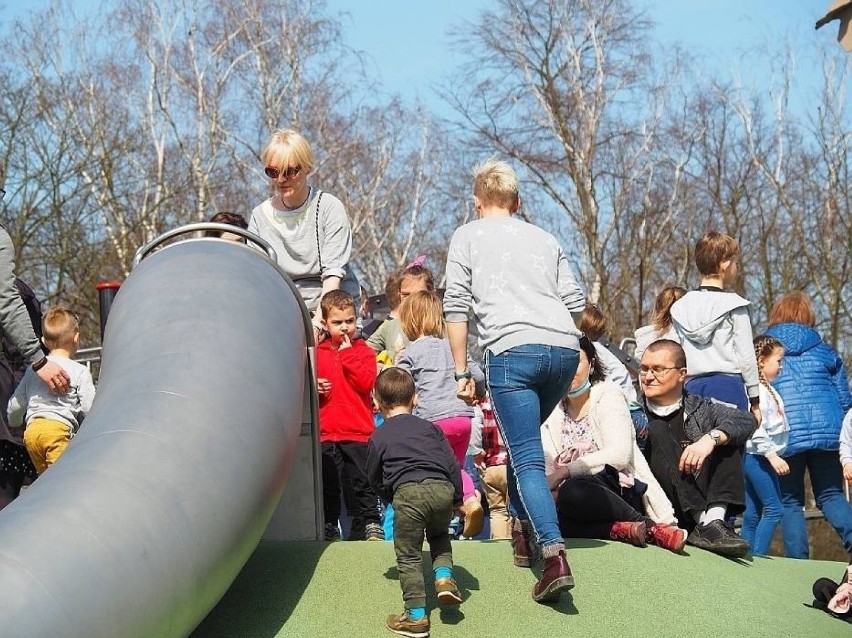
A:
(631, 532)
(523, 547)
(555, 578)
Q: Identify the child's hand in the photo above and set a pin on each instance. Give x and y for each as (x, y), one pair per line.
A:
(323, 387)
(847, 472)
(345, 342)
(779, 465)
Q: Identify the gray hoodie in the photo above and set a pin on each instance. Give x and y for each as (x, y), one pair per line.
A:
(714, 329)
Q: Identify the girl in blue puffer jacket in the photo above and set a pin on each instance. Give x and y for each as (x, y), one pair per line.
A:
(815, 391)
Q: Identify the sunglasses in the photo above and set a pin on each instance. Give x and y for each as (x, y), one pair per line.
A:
(274, 173)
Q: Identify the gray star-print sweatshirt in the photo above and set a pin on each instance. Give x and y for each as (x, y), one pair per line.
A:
(516, 280)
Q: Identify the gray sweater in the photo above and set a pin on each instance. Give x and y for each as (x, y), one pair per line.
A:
(33, 398)
(15, 326)
(300, 245)
(430, 362)
(516, 280)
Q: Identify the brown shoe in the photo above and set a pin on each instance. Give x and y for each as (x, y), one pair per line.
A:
(555, 578)
(448, 592)
(474, 517)
(523, 546)
(633, 532)
(403, 625)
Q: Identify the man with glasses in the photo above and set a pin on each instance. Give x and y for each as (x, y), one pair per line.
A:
(695, 451)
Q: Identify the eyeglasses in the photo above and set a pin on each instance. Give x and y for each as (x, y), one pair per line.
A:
(658, 372)
(290, 172)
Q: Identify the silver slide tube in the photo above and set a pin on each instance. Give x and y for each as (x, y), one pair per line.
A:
(144, 522)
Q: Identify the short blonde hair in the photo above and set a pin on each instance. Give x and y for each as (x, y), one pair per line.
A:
(59, 326)
(287, 147)
(495, 183)
(422, 315)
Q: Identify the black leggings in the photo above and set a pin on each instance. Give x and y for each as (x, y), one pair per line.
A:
(589, 505)
(343, 469)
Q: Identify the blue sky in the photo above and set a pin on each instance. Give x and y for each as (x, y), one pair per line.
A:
(407, 46)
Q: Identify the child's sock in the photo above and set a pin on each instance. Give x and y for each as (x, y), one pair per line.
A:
(443, 572)
(416, 613)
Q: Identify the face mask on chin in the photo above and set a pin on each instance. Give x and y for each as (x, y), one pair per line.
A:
(663, 410)
(573, 394)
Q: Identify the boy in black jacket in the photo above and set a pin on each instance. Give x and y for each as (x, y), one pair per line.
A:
(410, 463)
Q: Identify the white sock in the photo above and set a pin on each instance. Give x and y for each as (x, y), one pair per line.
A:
(714, 512)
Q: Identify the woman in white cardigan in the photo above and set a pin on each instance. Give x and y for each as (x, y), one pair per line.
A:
(602, 484)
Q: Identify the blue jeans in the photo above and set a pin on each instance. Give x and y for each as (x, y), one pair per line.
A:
(763, 508)
(729, 388)
(525, 384)
(827, 481)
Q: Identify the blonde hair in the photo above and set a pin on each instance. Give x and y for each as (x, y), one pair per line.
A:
(712, 249)
(794, 307)
(764, 346)
(59, 326)
(495, 183)
(662, 318)
(287, 147)
(421, 315)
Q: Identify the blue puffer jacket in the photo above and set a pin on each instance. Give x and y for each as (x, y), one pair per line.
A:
(814, 389)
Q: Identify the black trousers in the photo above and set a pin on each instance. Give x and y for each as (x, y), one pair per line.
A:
(343, 469)
(589, 505)
(720, 480)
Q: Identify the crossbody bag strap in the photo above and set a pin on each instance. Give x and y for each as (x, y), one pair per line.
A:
(319, 251)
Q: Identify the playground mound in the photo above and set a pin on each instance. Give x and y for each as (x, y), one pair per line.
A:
(308, 589)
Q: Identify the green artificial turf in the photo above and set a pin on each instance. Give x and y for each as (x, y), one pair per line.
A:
(347, 589)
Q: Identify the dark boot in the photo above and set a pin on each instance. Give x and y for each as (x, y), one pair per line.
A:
(523, 546)
(555, 578)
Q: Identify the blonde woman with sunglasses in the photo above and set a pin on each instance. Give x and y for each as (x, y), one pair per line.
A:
(308, 228)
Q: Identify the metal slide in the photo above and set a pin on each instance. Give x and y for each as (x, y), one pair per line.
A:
(145, 521)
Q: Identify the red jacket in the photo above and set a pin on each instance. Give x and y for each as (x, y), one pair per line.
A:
(346, 413)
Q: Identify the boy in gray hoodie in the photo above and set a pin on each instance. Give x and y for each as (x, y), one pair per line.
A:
(712, 324)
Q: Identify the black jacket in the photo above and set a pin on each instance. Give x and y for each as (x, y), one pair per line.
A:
(408, 449)
(700, 415)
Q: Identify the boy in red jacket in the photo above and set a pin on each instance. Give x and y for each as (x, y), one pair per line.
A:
(346, 371)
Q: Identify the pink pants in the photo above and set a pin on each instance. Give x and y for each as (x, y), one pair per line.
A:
(457, 431)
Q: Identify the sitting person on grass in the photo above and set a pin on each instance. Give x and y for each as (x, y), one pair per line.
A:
(411, 464)
(695, 450)
(601, 482)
